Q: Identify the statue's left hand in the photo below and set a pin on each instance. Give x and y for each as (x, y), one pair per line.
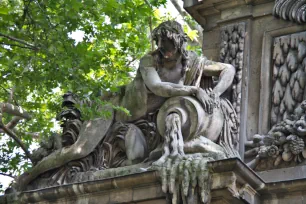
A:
(206, 101)
(215, 98)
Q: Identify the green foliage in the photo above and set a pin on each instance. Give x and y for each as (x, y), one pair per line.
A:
(98, 109)
(192, 34)
(40, 61)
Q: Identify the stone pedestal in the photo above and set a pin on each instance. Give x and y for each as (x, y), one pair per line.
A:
(232, 182)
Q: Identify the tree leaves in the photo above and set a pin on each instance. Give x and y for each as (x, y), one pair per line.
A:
(41, 61)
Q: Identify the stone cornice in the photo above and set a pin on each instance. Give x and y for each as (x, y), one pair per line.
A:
(226, 10)
(229, 178)
(293, 10)
(233, 182)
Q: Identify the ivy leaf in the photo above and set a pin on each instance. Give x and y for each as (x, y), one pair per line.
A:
(4, 11)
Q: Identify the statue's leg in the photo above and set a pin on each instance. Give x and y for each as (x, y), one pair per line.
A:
(173, 140)
(202, 144)
(135, 146)
(91, 133)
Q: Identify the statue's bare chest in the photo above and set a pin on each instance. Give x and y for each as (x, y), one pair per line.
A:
(173, 75)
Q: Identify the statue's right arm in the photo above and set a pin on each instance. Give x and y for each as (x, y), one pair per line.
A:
(159, 88)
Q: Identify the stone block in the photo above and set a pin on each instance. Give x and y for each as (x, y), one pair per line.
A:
(122, 196)
(159, 201)
(147, 192)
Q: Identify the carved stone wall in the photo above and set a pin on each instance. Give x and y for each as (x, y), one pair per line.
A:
(281, 143)
(262, 27)
(231, 52)
(288, 78)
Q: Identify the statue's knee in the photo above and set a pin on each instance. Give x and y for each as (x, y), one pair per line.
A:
(135, 144)
(78, 152)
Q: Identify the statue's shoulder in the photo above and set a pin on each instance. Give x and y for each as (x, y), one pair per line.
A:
(147, 61)
(194, 59)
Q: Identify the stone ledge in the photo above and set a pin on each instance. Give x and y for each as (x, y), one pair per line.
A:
(233, 182)
(283, 174)
(115, 190)
(243, 173)
(229, 183)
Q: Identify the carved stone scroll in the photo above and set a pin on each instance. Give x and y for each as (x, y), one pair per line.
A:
(288, 78)
(232, 46)
(293, 10)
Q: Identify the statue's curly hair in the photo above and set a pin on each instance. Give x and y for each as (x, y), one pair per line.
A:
(174, 31)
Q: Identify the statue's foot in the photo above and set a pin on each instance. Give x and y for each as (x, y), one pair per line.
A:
(204, 145)
(173, 155)
(181, 176)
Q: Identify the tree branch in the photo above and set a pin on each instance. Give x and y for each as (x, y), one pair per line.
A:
(19, 112)
(12, 124)
(20, 41)
(8, 175)
(11, 98)
(131, 61)
(14, 110)
(16, 138)
(184, 14)
(15, 45)
(9, 93)
(34, 135)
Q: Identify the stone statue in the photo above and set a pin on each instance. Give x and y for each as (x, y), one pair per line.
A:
(177, 118)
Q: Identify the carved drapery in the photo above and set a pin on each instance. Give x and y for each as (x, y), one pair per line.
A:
(293, 10)
(288, 78)
(232, 46)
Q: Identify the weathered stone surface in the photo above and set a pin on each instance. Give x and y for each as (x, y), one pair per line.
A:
(174, 92)
(233, 182)
(228, 177)
(232, 51)
(260, 25)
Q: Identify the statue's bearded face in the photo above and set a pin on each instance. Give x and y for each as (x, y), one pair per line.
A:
(166, 47)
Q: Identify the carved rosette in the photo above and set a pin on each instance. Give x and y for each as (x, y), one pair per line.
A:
(293, 10)
(232, 46)
(289, 64)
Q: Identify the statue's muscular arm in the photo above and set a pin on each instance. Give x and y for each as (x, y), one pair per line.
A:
(226, 73)
(159, 88)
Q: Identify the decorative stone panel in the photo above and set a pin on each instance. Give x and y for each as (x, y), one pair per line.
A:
(232, 47)
(288, 77)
